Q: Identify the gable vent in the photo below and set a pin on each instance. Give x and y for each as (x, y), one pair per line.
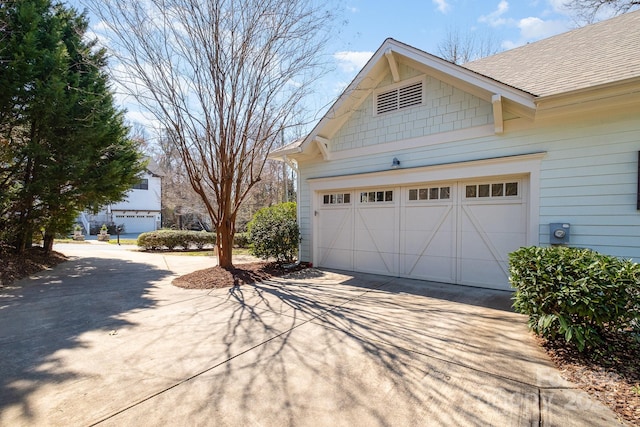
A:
(396, 99)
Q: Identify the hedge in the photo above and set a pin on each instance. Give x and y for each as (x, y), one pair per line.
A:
(575, 293)
(184, 239)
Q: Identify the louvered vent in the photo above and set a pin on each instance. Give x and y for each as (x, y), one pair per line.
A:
(399, 98)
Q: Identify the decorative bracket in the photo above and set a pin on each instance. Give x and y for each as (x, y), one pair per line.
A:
(323, 145)
(498, 121)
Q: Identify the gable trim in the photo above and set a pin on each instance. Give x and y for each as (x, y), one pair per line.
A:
(379, 66)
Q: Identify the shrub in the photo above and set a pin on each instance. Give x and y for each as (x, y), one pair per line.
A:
(575, 293)
(241, 240)
(274, 233)
(171, 239)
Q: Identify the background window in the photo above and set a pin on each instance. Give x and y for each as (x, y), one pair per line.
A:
(142, 185)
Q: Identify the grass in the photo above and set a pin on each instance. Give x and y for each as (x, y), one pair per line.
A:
(113, 241)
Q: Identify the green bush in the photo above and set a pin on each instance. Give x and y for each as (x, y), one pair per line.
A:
(171, 239)
(241, 240)
(274, 233)
(575, 293)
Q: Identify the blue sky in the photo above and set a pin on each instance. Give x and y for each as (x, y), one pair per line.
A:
(424, 25)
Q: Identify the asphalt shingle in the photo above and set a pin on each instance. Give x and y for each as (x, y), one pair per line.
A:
(597, 54)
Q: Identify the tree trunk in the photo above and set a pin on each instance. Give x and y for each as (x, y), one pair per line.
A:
(224, 242)
(47, 244)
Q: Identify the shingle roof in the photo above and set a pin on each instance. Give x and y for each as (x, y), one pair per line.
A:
(600, 53)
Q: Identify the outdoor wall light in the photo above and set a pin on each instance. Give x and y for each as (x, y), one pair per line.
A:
(395, 164)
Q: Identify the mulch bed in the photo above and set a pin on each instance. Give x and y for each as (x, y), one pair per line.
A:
(15, 267)
(612, 376)
(242, 274)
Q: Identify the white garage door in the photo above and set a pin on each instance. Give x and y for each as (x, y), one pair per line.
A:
(136, 223)
(454, 232)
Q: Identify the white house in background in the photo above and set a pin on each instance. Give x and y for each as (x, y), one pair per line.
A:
(139, 212)
(430, 170)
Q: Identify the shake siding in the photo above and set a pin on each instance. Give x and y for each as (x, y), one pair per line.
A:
(445, 109)
(588, 177)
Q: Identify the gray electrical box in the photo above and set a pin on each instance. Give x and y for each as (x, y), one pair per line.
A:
(559, 233)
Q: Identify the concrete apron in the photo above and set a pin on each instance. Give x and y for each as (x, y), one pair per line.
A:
(105, 339)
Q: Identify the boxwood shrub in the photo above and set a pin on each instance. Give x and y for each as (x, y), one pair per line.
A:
(171, 239)
(575, 293)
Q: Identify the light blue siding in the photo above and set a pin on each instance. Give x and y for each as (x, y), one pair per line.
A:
(588, 176)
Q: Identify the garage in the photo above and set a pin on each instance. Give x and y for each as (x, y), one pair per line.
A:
(136, 223)
(455, 232)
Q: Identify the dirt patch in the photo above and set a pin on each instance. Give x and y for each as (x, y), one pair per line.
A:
(15, 267)
(241, 274)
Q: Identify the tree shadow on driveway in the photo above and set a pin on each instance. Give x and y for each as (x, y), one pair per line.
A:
(44, 317)
(357, 350)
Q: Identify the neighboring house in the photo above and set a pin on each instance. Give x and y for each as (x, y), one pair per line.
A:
(138, 212)
(430, 170)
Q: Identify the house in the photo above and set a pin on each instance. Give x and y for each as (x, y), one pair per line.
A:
(139, 212)
(429, 170)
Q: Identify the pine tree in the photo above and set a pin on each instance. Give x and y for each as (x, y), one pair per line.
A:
(64, 142)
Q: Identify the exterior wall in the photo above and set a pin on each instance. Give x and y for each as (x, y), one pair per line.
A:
(147, 200)
(445, 109)
(138, 203)
(588, 176)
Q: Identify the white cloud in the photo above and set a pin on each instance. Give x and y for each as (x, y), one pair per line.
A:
(349, 61)
(559, 6)
(533, 28)
(495, 18)
(443, 6)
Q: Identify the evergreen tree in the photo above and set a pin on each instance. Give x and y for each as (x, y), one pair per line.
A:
(64, 143)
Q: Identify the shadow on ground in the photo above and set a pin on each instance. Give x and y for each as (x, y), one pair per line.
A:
(365, 350)
(44, 316)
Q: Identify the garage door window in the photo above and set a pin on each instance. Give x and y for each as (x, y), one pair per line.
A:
(336, 199)
(430, 193)
(493, 190)
(376, 196)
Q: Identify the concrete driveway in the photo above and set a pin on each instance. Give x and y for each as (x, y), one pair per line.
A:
(105, 339)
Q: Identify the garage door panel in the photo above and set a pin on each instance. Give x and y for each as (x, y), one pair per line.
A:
(476, 246)
(494, 218)
(428, 218)
(382, 240)
(376, 262)
(428, 239)
(430, 267)
(341, 259)
(375, 238)
(485, 273)
(335, 229)
(336, 238)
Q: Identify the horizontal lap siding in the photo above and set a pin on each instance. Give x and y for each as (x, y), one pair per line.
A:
(589, 179)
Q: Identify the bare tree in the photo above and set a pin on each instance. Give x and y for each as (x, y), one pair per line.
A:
(587, 10)
(224, 77)
(461, 48)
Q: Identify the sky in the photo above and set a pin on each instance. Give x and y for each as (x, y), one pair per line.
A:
(365, 24)
(424, 24)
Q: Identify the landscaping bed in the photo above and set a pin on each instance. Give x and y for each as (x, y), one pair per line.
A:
(241, 274)
(15, 267)
(610, 375)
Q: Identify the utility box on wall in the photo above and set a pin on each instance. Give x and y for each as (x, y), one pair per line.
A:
(559, 233)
